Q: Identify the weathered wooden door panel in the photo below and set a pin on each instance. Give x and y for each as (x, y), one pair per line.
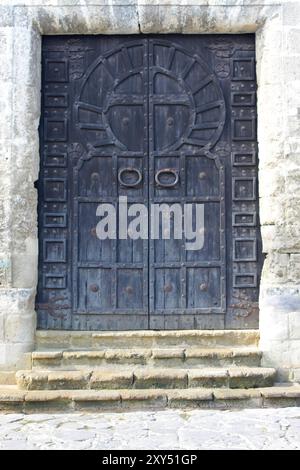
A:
(113, 125)
(186, 116)
(158, 120)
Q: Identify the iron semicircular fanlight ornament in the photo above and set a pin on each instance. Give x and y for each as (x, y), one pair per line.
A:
(116, 109)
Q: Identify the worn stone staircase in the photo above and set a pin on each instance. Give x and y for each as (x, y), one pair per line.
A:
(125, 370)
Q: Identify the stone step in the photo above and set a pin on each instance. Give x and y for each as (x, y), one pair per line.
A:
(146, 378)
(14, 400)
(157, 357)
(52, 339)
(7, 377)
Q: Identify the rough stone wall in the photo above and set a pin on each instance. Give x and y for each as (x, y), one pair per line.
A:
(19, 118)
(277, 28)
(279, 179)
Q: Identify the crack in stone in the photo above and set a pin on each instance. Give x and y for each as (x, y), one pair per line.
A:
(138, 19)
(284, 427)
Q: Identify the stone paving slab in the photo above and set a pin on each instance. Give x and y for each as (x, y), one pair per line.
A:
(153, 430)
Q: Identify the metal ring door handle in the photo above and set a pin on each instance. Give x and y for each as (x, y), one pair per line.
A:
(170, 171)
(130, 170)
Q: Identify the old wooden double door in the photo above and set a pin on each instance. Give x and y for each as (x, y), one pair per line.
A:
(159, 120)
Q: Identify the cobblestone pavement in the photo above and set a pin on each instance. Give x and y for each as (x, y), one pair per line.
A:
(171, 429)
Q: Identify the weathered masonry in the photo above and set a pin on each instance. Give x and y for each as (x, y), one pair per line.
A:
(99, 88)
